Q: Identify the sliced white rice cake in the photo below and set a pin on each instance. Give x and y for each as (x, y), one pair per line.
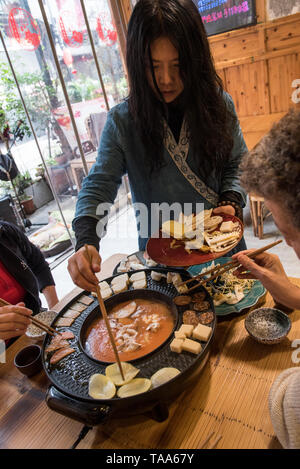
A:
(104, 285)
(119, 279)
(137, 276)
(106, 293)
(139, 284)
(119, 287)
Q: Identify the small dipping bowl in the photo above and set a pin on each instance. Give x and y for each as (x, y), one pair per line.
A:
(29, 360)
(267, 325)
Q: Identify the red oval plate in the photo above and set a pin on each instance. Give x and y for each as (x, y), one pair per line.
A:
(158, 249)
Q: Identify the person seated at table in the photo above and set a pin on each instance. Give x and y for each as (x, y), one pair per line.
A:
(23, 273)
(177, 135)
(272, 170)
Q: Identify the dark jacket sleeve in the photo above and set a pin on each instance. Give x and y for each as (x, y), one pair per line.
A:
(33, 257)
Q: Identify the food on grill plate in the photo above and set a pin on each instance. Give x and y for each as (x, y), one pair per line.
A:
(202, 332)
(138, 326)
(86, 300)
(133, 263)
(101, 387)
(104, 386)
(136, 386)
(129, 372)
(60, 354)
(163, 375)
(182, 300)
(202, 232)
(182, 341)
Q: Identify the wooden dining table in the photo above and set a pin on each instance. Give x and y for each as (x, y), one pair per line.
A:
(229, 398)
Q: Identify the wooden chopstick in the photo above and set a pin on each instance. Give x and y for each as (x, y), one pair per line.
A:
(104, 314)
(35, 321)
(230, 264)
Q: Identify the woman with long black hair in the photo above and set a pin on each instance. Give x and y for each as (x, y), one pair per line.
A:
(177, 135)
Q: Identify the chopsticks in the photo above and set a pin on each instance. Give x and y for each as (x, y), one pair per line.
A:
(35, 321)
(104, 314)
(221, 269)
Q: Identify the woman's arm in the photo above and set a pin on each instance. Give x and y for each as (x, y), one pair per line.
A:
(230, 178)
(50, 295)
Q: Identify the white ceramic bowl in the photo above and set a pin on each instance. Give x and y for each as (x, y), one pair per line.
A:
(33, 331)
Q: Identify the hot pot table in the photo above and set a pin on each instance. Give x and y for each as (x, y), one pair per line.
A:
(229, 398)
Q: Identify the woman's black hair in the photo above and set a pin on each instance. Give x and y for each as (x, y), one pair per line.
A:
(209, 119)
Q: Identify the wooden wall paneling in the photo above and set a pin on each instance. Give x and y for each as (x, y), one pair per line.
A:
(283, 71)
(284, 35)
(231, 48)
(246, 85)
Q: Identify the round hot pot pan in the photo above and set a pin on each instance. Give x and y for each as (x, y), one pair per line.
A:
(71, 379)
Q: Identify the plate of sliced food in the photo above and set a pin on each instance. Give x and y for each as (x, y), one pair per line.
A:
(230, 294)
(195, 239)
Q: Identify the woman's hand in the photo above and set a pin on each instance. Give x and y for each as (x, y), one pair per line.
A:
(82, 271)
(229, 209)
(268, 269)
(14, 320)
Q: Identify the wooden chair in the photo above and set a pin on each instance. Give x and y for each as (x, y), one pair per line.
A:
(257, 215)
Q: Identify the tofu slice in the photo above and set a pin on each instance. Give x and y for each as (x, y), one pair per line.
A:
(186, 329)
(191, 346)
(137, 276)
(176, 345)
(179, 335)
(202, 332)
(139, 284)
(119, 287)
(104, 285)
(119, 279)
(106, 293)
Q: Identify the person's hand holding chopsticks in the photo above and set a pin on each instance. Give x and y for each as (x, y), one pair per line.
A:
(268, 269)
(14, 320)
(82, 270)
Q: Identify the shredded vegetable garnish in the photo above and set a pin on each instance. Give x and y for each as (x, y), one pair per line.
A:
(227, 288)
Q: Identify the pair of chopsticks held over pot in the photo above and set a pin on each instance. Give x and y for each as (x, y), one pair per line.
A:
(221, 269)
(106, 320)
(41, 325)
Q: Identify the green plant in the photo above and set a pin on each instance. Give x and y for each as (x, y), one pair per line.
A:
(22, 182)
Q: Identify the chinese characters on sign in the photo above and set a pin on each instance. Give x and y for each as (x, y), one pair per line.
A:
(224, 15)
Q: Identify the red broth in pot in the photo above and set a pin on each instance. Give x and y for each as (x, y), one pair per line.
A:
(136, 334)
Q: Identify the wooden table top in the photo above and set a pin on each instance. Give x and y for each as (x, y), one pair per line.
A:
(230, 398)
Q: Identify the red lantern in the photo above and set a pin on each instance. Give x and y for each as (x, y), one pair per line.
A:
(68, 57)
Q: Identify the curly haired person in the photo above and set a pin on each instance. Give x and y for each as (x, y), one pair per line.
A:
(272, 170)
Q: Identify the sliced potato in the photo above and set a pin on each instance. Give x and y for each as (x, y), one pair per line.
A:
(163, 375)
(136, 386)
(101, 387)
(126, 311)
(113, 372)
